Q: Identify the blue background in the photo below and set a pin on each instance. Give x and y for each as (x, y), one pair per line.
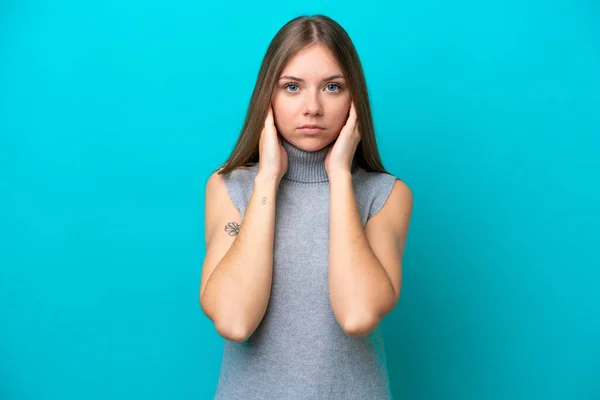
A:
(113, 114)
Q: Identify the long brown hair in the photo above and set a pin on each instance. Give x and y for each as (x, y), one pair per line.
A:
(294, 36)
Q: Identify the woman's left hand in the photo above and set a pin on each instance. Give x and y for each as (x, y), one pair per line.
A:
(340, 155)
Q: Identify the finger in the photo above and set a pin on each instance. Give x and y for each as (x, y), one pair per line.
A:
(354, 118)
(353, 115)
(269, 119)
(351, 121)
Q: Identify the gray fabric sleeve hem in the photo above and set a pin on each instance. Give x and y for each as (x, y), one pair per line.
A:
(387, 184)
(234, 190)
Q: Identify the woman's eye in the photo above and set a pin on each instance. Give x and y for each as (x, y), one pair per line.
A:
(291, 87)
(333, 86)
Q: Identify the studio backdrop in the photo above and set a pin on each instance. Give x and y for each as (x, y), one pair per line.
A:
(113, 114)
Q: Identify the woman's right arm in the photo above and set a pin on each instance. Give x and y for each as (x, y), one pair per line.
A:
(237, 270)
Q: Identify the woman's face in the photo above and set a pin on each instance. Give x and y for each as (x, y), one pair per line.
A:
(311, 90)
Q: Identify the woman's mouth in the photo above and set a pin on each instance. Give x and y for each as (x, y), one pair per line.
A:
(311, 129)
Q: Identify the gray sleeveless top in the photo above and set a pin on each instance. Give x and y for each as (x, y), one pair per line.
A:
(299, 350)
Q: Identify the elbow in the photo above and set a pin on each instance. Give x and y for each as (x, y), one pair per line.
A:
(359, 326)
(361, 321)
(234, 332)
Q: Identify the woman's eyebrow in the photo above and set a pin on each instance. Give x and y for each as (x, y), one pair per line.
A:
(336, 76)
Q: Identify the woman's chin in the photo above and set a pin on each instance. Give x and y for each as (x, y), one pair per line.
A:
(312, 142)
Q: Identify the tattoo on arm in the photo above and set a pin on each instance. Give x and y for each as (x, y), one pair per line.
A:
(232, 228)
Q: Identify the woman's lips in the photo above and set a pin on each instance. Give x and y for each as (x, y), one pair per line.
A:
(310, 130)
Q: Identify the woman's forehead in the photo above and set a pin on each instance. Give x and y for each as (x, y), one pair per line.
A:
(312, 63)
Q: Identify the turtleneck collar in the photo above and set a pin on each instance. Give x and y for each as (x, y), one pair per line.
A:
(305, 166)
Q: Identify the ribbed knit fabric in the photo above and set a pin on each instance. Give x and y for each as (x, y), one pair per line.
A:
(299, 351)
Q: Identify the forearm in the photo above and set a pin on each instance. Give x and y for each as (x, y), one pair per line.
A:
(238, 291)
(359, 287)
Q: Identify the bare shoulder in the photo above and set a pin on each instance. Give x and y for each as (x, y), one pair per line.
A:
(400, 199)
(397, 210)
(215, 182)
(215, 191)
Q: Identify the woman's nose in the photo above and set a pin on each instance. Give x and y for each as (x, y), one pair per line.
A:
(313, 105)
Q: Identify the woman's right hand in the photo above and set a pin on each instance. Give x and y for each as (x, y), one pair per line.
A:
(273, 159)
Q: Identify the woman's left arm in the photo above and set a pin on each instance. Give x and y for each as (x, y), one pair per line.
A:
(365, 265)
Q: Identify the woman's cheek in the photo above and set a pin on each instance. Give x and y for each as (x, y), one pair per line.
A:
(341, 120)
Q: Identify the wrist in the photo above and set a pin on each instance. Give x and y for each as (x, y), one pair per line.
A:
(339, 174)
(267, 180)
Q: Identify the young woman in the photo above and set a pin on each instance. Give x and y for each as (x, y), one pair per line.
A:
(305, 230)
